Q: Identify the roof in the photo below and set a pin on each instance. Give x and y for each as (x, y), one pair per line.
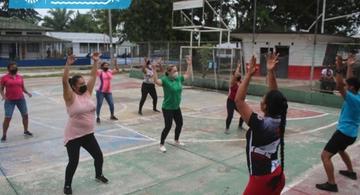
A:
(79, 37)
(29, 38)
(14, 23)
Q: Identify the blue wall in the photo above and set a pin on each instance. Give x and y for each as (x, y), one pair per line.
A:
(44, 62)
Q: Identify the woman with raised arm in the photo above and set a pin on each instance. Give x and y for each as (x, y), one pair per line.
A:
(104, 90)
(172, 86)
(79, 131)
(265, 134)
(230, 103)
(148, 86)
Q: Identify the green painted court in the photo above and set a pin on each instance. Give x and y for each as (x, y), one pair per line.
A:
(210, 163)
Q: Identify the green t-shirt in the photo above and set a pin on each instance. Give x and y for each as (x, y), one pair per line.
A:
(172, 92)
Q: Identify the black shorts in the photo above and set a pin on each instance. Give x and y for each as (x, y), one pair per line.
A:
(339, 142)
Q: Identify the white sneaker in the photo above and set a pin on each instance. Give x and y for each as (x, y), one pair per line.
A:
(227, 131)
(162, 148)
(178, 143)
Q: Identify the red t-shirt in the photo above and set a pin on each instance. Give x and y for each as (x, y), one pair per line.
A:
(14, 86)
(232, 91)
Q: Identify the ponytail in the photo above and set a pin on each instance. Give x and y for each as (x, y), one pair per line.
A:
(276, 180)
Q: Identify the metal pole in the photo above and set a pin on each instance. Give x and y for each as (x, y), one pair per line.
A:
(314, 48)
(254, 27)
(110, 36)
(323, 16)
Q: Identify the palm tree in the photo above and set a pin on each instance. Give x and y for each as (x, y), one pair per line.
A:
(58, 20)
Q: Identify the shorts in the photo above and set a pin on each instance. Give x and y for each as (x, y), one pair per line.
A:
(10, 106)
(259, 185)
(339, 142)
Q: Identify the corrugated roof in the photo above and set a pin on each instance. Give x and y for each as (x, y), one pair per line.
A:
(79, 37)
(14, 23)
(29, 38)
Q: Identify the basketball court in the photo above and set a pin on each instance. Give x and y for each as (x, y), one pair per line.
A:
(210, 163)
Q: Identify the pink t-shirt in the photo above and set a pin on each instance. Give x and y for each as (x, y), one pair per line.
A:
(14, 86)
(81, 117)
(105, 81)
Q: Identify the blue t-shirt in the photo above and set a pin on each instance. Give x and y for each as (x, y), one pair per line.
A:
(349, 119)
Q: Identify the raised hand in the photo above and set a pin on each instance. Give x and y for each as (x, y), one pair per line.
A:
(96, 56)
(70, 60)
(351, 60)
(339, 62)
(252, 65)
(271, 61)
(189, 60)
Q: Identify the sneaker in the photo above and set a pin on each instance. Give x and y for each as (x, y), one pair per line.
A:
(101, 179)
(178, 143)
(349, 174)
(162, 148)
(67, 190)
(327, 187)
(113, 118)
(28, 133)
(98, 120)
(227, 131)
(3, 138)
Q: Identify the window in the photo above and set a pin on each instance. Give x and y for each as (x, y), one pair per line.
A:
(13, 33)
(84, 48)
(33, 33)
(33, 47)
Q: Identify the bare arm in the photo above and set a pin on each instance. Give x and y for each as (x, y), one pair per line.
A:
(233, 80)
(272, 61)
(26, 91)
(350, 62)
(339, 77)
(116, 67)
(157, 81)
(92, 80)
(67, 91)
(2, 92)
(244, 109)
(188, 72)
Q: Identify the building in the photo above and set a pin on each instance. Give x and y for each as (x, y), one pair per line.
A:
(296, 50)
(20, 40)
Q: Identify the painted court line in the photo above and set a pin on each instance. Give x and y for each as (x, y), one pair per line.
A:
(82, 160)
(132, 130)
(122, 137)
(317, 129)
(303, 177)
(212, 140)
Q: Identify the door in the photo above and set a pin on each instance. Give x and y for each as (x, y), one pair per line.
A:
(283, 65)
(263, 52)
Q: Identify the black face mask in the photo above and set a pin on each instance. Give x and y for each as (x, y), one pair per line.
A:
(238, 78)
(83, 89)
(105, 69)
(13, 71)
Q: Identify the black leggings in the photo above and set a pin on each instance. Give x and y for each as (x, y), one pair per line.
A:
(231, 106)
(145, 89)
(169, 115)
(73, 149)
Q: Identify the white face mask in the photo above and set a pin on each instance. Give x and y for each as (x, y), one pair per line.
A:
(175, 75)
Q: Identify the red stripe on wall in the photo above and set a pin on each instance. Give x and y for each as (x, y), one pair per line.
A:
(303, 72)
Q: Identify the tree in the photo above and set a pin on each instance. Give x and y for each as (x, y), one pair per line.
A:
(150, 21)
(59, 19)
(29, 15)
(83, 23)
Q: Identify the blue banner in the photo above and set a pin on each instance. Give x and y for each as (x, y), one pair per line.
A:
(70, 4)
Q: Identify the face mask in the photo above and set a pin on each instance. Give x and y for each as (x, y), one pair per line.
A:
(13, 71)
(238, 78)
(105, 69)
(175, 75)
(83, 89)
